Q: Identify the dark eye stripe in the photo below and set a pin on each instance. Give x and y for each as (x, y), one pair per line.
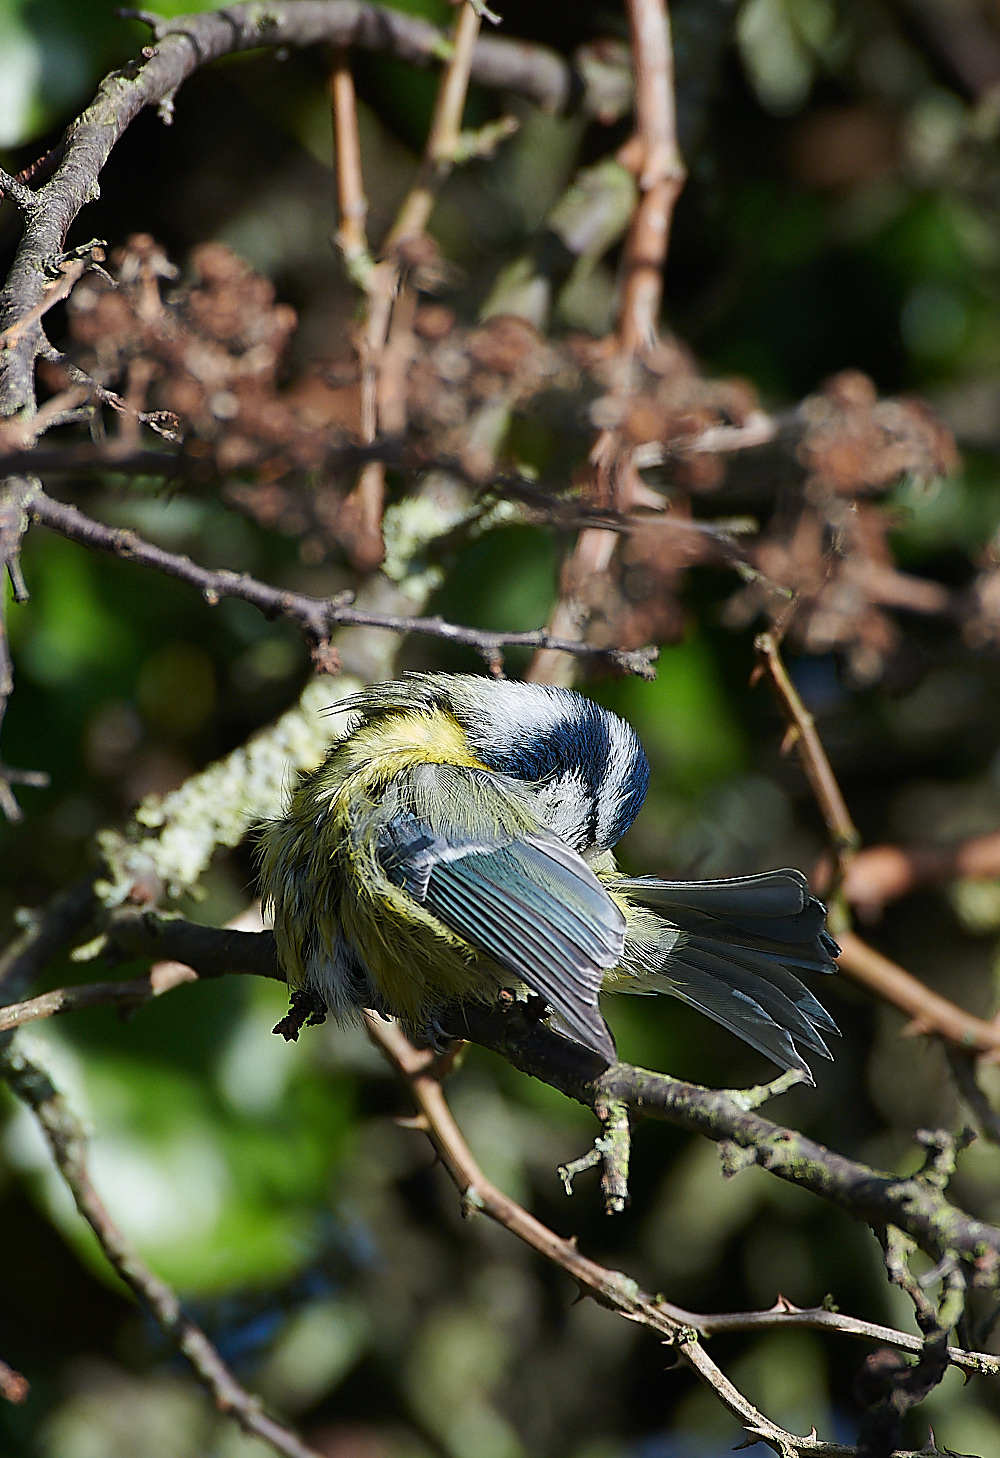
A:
(588, 742)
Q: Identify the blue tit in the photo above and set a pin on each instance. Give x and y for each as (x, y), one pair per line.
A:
(458, 841)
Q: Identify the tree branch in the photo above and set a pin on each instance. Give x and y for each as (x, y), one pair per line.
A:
(45, 934)
(182, 45)
(930, 1013)
(13, 524)
(914, 1203)
(654, 157)
(879, 874)
(352, 204)
(316, 617)
(422, 1071)
(802, 733)
(68, 1145)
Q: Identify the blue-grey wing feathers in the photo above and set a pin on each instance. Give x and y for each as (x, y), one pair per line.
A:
(529, 903)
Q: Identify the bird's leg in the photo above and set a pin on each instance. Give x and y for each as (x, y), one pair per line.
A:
(305, 1009)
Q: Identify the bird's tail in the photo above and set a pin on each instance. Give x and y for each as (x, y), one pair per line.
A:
(732, 949)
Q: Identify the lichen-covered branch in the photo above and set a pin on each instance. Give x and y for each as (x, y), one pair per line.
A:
(916, 1203)
(676, 1327)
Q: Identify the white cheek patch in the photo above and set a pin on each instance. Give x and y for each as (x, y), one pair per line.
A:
(565, 804)
(619, 782)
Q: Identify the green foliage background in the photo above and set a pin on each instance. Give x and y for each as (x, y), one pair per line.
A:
(304, 1227)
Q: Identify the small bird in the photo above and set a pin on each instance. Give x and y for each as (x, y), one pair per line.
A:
(458, 841)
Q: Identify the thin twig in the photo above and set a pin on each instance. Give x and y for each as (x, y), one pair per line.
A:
(963, 1071)
(879, 874)
(352, 204)
(757, 429)
(785, 1313)
(654, 156)
(805, 738)
(314, 616)
(590, 556)
(443, 138)
(897, 1249)
(15, 492)
(928, 1011)
(359, 522)
(91, 459)
(384, 281)
(184, 951)
(125, 995)
(611, 1288)
(60, 288)
(68, 1146)
(43, 936)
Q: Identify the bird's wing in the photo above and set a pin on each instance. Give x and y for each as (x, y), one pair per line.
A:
(731, 953)
(509, 887)
(772, 912)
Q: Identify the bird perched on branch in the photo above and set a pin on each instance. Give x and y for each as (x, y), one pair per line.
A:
(458, 841)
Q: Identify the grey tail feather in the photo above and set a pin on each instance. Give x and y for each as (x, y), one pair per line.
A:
(742, 938)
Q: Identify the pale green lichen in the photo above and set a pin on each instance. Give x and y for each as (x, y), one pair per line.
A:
(220, 804)
(411, 525)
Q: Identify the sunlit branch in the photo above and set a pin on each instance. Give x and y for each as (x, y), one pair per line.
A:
(68, 1146)
(316, 617)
